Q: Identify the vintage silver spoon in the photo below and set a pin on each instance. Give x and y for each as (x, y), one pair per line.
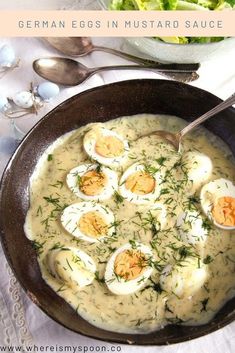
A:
(69, 72)
(82, 46)
(175, 138)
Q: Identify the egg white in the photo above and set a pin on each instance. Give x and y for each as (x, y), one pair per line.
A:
(198, 167)
(185, 279)
(190, 226)
(89, 144)
(109, 189)
(139, 199)
(71, 266)
(72, 214)
(211, 192)
(120, 286)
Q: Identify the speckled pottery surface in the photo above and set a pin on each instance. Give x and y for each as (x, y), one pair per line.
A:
(181, 53)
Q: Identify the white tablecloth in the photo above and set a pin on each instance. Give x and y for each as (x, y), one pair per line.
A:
(21, 322)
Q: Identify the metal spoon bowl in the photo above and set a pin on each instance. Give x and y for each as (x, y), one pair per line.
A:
(69, 72)
(175, 138)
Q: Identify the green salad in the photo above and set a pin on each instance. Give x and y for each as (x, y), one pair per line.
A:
(198, 5)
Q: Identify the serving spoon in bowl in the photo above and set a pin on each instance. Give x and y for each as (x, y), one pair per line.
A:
(82, 46)
(69, 72)
(175, 138)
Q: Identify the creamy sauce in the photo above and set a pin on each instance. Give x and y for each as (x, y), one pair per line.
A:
(150, 308)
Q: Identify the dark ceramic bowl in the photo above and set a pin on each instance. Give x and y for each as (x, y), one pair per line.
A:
(98, 104)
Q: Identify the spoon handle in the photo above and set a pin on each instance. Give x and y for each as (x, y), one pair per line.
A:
(178, 76)
(222, 106)
(156, 67)
(142, 61)
(127, 56)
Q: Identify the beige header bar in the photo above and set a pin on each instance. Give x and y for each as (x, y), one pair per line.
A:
(117, 23)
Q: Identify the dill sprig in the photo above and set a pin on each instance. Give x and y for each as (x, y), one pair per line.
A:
(58, 207)
(151, 170)
(38, 246)
(182, 252)
(58, 246)
(50, 157)
(204, 304)
(118, 199)
(58, 184)
(208, 259)
(161, 161)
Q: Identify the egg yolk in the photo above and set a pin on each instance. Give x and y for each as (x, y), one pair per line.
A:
(92, 182)
(140, 183)
(130, 264)
(109, 146)
(93, 224)
(224, 211)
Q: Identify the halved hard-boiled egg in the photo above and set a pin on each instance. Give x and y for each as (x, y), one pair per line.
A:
(105, 146)
(88, 221)
(139, 186)
(198, 167)
(184, 279)
(218, 202)
(128, 269)
(92, 182)
(71, 266)
(191, 227)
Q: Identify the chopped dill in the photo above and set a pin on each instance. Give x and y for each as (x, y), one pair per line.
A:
(191, 203)
(169, 201)
(151, 170)
(79, 180)
(157, 287)
(38, 246)
(175, 320)
(58, 246)
(62, 288)
(118, 198)
(161, 161)
(69, 265)
(50, 157)
(182, 252)
(98, 168)
(39, 211)
(133, 244)
(164, 191)
(206, 224)
(207, 260)
(55, 201)
(59, 184)
(168, 309)
(204, 304)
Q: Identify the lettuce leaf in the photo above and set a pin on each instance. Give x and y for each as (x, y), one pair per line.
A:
(150, 5)
(174, 40)
(231, 2)
(196, 5)
(122, 5)
(205, 39)
(169, 4)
